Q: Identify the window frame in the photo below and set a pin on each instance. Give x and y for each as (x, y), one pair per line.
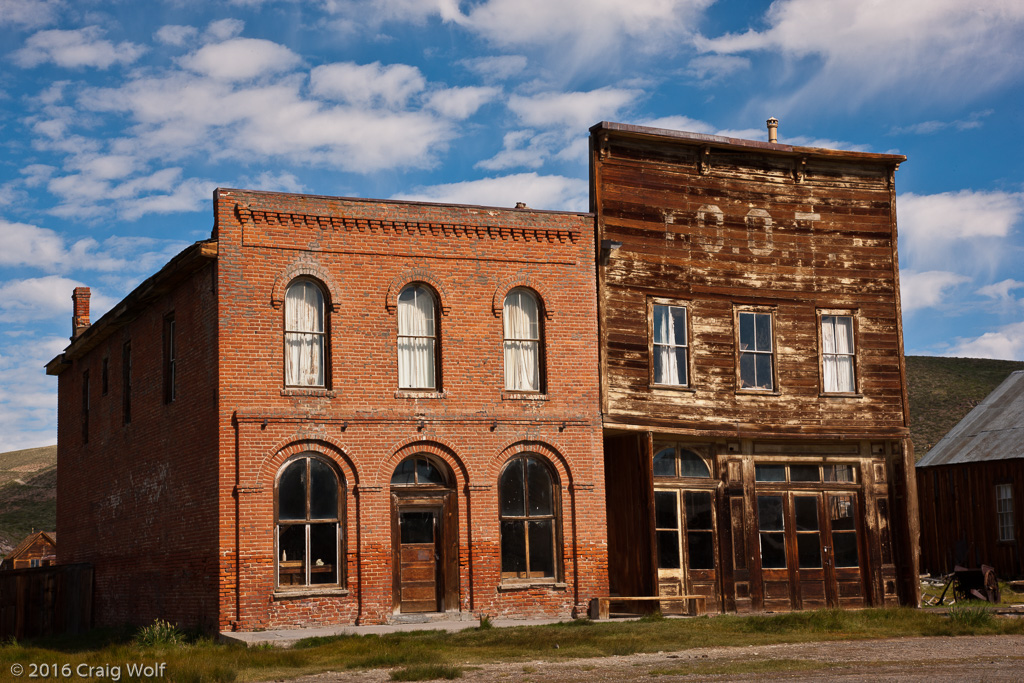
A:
(126, 382)
(1005, 529)
(539, 341)
(341, 527)
(85, 406)
(821, 313)
(323, 334)
(170, 358)
(652, 303)
(738, 312)
(514, 578)
(438, 387)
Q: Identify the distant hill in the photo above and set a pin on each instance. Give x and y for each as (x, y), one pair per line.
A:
(28, 494)
(943, 390)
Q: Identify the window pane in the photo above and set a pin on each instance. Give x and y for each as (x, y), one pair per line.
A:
(405, 473)
(292, 555)
(668, 550)
(323, 553)
(804, 473)
(692, 465)
(323, 491)
(660, 366)
(700, 550)
(698, 510)
(291, 492)
(680, 359)
(846, 474)
(542, 555)
(773, 551)
(769, 473)
(678, 314)
(417, 526)
(763, 325)
(763, 371)
(520, 315)
(427, 473)
(844, 334)
(665, 462)
(806, 513)
(845, 545)
(746, 331)
(661, 323)
(513, 501)
(769, 513)
(513, 547)
(539, 488)
(808, 548)
(828, 335)
(666, 510)
(841, 509)
(747, 376)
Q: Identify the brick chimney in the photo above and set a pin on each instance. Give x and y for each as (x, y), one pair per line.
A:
(80, 317)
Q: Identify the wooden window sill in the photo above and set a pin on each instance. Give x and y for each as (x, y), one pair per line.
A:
(836, 394)
(310, 592)
(511, 395)
(673, 388)
(420, 393)
(758, 392)
(525, 584)
(308, 391)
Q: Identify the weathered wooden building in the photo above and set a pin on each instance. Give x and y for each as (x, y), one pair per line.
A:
(38, 549)
(969, 485)
(754, 399)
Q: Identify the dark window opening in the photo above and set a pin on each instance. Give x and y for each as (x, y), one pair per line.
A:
(170, 359)
(126, 382)
(310, 505)
(529, 520)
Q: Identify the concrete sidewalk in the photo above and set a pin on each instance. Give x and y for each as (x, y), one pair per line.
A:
(288, 637)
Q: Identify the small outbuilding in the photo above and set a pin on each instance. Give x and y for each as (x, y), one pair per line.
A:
(969, 485)
(38, 549)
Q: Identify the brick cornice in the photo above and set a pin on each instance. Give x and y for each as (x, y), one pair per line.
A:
(256, 215)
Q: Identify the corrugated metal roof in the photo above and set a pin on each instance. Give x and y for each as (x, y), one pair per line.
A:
(994, 430)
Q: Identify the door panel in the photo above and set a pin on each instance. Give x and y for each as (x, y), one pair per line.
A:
(810, 560)
(419, 554)
(687, 557)
(845, 555)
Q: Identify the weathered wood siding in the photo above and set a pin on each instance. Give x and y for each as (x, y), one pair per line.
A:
(959, 524)
(631, 568)
(46, 601)
(747, 232)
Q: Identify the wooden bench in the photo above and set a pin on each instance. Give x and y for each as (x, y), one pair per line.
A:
(695, 605)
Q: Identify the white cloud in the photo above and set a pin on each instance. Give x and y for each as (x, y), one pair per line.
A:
(223, 29)
(550, 192)
(367, 84)
(574, 111)
(241, 59)
(193, 194)
(964, 231)
(522, 148)
(41, 298)
(928, 289)
(1006, 343)
(274, 182)
(29, 13)
(973, 121)
(712, 68)
(28, 398)
(75, 49)
(460, 103)
(1001, 290)
(945, 50)
(496, 68)
(173, 34)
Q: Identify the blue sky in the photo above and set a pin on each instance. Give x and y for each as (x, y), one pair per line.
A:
(118, 118)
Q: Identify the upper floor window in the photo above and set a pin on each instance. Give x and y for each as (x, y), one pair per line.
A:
(837, 354)
(757, 351)
(670, 348)
(417, 338)
(310, 511)
(1004, 511)
(85, 406)
(304, 339)
(529, 520)
(521, 322)
(126, 382)
(170, 359)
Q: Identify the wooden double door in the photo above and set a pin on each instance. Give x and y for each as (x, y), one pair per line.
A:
(811, 549)
(685, 530)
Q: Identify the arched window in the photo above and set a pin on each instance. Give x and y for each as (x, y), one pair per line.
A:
(529, 520)
(675, 461)
(304, 341)
(309, 517)
(419, 470)
(521, 321)
(417, 338)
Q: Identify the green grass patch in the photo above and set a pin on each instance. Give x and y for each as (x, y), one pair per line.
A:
(427, 672)
(200, 659)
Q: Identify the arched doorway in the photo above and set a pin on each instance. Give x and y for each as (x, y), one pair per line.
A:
(424, 532)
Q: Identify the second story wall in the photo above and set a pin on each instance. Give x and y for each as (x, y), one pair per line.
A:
(746, 288)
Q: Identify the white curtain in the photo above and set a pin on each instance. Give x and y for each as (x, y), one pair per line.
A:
(304, 338)
(837, 352)
(666, 366)
(520, 317)
(416, 337)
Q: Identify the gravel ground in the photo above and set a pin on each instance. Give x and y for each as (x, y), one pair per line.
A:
(937, 659)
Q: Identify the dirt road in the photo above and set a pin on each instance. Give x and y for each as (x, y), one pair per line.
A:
(977, 658)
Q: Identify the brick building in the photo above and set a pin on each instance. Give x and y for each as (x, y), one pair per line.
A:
(355, 411)
(341, 411)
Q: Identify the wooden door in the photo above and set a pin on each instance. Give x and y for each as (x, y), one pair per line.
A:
(775, 537)
(685, 530)
(844, 557)
(813, 580)
(419, 554)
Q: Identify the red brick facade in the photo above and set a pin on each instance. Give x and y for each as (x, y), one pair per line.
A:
(176, 508)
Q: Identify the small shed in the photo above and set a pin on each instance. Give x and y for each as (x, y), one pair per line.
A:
(970, 487)
(38, 549)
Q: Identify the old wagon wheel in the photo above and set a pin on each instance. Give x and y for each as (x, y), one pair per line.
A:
(991, 583)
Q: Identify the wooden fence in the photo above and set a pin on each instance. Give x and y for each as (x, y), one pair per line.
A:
(45, 601)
